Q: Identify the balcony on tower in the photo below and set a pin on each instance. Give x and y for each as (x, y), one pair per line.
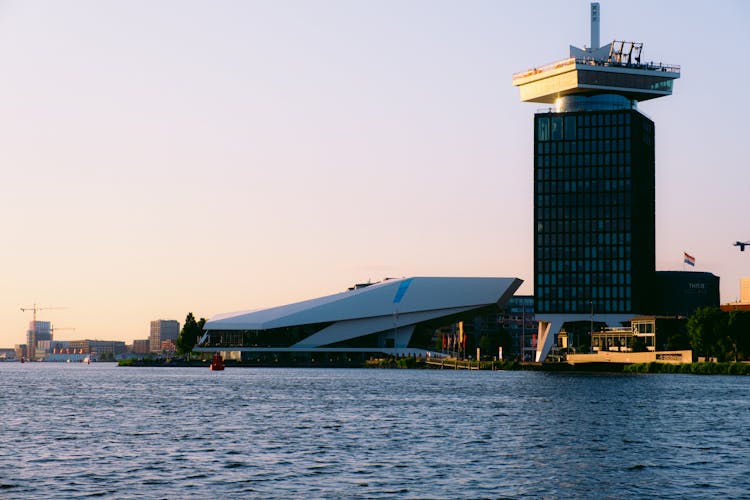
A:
(615, 69)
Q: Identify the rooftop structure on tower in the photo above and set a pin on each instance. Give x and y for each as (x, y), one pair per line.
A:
(617, 69)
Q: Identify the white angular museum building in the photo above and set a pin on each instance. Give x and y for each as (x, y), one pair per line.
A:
(393, 317)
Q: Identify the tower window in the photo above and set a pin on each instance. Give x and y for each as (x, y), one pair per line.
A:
(557, 133)
(543, 129)
(570, 128)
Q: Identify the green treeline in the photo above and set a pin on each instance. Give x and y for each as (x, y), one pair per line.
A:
(726, 368)
(724, 335)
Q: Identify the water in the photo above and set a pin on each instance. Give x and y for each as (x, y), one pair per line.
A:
(73, 430)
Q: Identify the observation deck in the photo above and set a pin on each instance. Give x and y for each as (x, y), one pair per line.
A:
(613, 69)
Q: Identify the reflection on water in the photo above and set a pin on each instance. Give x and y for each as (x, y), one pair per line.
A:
(73, 430)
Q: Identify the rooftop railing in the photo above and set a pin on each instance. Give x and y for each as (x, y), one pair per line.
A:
(649, 66)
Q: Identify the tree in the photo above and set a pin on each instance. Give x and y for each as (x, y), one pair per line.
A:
(675, 333)
(490, 341)
(106, 356)
(707, 329)
(739, 334)
(190, 333)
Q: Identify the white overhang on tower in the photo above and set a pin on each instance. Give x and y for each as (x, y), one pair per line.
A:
(616, 68)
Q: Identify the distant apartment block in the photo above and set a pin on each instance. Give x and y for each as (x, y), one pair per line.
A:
(100, 347)
(141, 346)
(168, 346)
(6, 354)
(76, 350)
(21, 351)
(161, 330)
(744, 302)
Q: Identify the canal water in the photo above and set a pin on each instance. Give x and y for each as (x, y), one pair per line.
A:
(74, 430)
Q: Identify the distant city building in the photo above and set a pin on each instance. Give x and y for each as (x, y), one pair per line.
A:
(80, 346)
(59, 345)
(161, 330)
(43, 349)
(745, 290)
(21, 351)
(100, 347)
(744, 303)
(517, 317)
(77, 350)
(680, 293)
(735, 306)
(167, 346)
(38, 331)
(141, 346)
(7, 354)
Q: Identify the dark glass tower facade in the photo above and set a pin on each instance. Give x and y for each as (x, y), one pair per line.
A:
(593, 211)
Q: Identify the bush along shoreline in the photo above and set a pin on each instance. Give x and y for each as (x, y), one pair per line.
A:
(701, 368)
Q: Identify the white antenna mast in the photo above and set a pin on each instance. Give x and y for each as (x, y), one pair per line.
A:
(594, 25)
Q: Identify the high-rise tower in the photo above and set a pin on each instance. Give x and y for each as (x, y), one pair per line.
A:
(38, 331)
(594, 220)
(161, 330)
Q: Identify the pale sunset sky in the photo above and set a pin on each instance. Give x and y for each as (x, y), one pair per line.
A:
(161, 157)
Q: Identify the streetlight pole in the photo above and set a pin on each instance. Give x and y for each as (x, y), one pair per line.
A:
(523, 332)
(591, 330)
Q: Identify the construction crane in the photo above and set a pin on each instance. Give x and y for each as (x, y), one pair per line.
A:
(31, 348)
(742, 245)
(53, 329)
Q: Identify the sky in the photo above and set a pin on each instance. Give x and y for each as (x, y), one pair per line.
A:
(166, 157)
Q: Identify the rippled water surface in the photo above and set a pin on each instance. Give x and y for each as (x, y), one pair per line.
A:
(72, 431)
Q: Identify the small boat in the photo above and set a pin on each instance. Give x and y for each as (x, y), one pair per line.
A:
(217, 363)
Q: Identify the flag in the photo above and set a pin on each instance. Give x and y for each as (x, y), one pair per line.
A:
(689, 259)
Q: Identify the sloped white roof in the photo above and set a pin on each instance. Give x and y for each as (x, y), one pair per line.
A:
(391, 297)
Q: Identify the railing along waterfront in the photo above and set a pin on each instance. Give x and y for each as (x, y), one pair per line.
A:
(454, 364)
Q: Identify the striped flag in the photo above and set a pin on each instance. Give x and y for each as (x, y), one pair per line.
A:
(689, 259)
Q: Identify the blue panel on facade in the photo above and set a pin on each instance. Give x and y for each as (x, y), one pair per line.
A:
(401, 291)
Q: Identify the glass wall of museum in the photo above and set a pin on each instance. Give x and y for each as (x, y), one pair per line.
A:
(275, 337)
